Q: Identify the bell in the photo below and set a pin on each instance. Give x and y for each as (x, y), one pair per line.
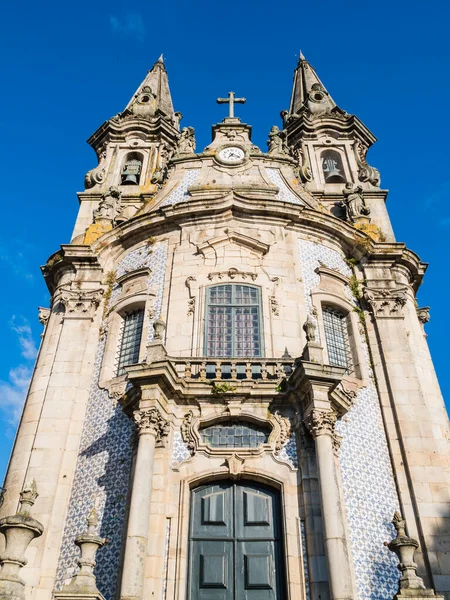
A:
(129, 179)
(131, 172)
(334, 176)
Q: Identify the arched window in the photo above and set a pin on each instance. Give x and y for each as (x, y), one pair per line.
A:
(336, 337)
(131, 172)
(130, 339)
(333, 169)
(233, 321)
(235, 434)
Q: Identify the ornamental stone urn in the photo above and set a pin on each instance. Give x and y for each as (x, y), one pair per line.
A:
(410, 584)
(19, 530)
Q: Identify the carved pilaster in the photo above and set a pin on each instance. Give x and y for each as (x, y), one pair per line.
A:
(150, 421)
(386, 302)
(81, 304)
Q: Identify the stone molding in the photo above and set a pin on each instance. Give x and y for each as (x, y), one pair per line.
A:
(232, 274)
(81, 303)
(386, 302)
(150, 421)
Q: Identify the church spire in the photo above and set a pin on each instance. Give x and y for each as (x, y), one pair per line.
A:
(308, 88)
(153, 95)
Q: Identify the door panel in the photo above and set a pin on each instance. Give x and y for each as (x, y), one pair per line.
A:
(255, 512)
(235, 543)
(212, 570)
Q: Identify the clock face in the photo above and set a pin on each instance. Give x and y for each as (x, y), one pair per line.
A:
(231, 155)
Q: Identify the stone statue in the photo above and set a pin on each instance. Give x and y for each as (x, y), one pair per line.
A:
(276, 141)
(186, 142)
(354, 202)
(110, 205)
(309, 327)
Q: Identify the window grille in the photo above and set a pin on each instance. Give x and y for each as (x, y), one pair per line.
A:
(130, 340)
(336, 336)
(235, 435)
(233, 321)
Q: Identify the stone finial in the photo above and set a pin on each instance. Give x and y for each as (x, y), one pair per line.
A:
(410, 584)
(19, 530)
(83, 584)
(28, 497)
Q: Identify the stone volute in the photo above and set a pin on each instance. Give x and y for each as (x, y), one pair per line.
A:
(410, 584)
(19, 530)
(83, 584)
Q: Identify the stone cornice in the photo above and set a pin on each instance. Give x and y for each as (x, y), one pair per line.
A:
(70, 259)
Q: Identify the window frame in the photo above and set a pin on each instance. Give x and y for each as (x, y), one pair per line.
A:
(233, 305)
(118, 369)
(346, 335)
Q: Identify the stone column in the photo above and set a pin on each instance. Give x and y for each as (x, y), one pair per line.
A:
(151, 428)
(321, 424)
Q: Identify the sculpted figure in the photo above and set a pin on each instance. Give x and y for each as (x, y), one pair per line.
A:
(309, 327)
(110, 204)
(186, 143)
(276, 141)
(354, 202)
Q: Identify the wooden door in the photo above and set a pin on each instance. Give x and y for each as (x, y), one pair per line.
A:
(235, 543)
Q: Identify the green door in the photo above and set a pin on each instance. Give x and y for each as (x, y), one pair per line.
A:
(235, 543)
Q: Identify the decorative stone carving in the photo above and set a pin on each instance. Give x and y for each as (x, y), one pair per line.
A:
(164, 155)
(150, 421)
(386, 302)
(110, 206)
(274, 306)
(159, 326)
(276, 142)
(304, 168)
(365, 171)
(81, 303)
(186, 431)
(97, 175)
(232, 274)
(423, 314)
(318, 101)
(410, 584)
(354, 203)
(186, 142)
(320, 422)
(310, 328)
(43, 315)
(191, 301)
(235, 464)
(118, 388)
(83, 584)
(284, 432)
(19, 530)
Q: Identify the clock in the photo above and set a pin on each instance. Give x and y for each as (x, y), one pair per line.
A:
(231, 155)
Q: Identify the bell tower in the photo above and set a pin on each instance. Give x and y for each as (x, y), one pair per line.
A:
(234, 397)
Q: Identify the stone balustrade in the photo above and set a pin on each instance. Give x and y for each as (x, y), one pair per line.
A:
(210, 368)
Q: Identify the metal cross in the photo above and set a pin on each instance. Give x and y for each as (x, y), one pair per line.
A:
(231, 100)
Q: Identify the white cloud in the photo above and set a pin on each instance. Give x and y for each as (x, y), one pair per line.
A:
(131, 25)
(13, 392)
(22, 327)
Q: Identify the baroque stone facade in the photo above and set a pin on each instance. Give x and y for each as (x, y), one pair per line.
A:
(240, 326)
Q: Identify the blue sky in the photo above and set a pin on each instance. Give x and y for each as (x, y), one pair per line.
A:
(67, 67)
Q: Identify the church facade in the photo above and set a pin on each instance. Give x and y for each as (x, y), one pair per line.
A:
(234, 397)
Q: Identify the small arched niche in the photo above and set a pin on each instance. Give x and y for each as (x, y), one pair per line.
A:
(332, 166)
(132, 169)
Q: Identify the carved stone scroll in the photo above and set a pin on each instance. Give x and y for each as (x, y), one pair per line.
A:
(284, 432)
